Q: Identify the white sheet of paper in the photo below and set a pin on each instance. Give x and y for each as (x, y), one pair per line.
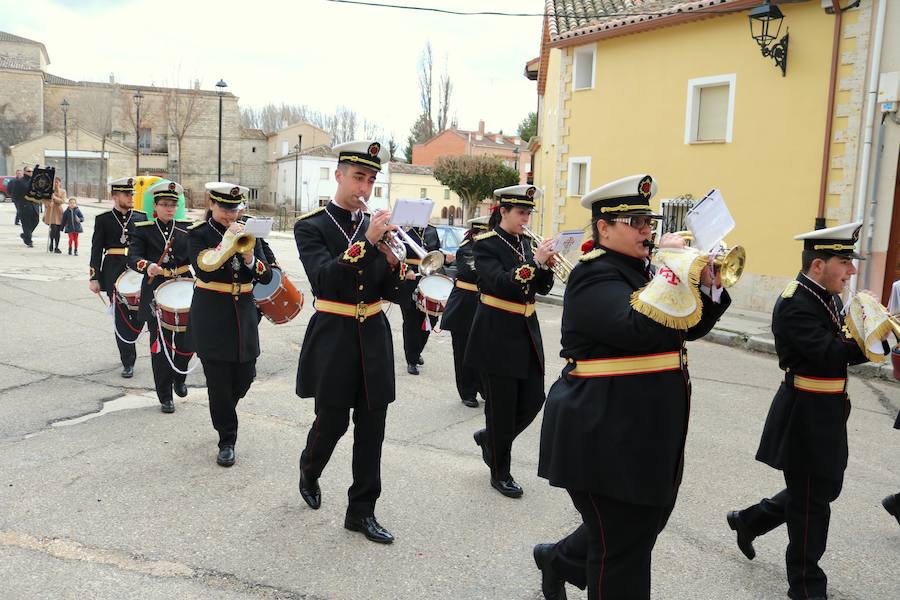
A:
(568, 242)
(710, 221)
(259, 226)
(410, 212)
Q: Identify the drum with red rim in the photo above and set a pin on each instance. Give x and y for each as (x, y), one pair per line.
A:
(173, 302)
(432, 293)
(279, 300)
(128, 288)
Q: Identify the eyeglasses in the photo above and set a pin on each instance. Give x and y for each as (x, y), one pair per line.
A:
(167, 205)
(637, 222)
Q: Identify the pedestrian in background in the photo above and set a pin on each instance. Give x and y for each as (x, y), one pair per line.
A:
(72, 219)
(53, 209)
(12, 185)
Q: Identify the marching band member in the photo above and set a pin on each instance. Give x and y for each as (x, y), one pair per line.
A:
(460, 310)
(223, 316)
(159, 250)
(109, 251)
(616, 420)
(415, 330)
(347, 359)
(805, 435)
(505, 340)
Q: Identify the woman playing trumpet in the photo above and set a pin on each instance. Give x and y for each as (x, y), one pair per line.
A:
(223, 316)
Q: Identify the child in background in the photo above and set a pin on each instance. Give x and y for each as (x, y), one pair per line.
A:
(71, 222)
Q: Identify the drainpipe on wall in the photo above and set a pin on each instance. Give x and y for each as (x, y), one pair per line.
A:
(862, 188)
(829, 116)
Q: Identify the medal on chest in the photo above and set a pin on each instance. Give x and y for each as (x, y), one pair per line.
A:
(235, 263)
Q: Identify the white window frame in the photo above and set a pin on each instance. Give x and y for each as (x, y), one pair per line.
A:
(692, 110)
(592, 49)
(578, 160)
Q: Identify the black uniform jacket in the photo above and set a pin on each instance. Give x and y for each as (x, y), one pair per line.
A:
(223, 326)
(338, 351)
(461, 305)
(428, 240)
(620, 436)
(106, 268)
(500, 342)
(146, 246)
(805, 431)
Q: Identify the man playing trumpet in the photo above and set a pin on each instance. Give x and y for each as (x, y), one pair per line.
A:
(347, 359)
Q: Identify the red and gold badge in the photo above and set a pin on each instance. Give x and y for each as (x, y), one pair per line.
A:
(260, 267)
(141, 265)
(524, 274)
(355, 252)
(645, 187)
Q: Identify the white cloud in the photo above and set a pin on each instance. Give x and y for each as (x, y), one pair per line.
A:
(306, 52)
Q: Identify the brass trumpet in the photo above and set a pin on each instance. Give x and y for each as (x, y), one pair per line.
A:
(729, 261)
(561, 267)
(232, 243)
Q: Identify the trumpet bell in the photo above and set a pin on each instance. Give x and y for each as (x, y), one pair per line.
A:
(731, 265)
(431, 262)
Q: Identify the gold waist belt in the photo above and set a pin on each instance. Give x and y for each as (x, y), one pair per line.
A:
(820, 385)
(626, 365)
(512, 307)
(466, 286)
(359, 311)
(174, 272)
(226, 288)
(117, 251)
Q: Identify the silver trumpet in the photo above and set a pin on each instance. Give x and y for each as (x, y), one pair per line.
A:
(394, 245)
(431, 261)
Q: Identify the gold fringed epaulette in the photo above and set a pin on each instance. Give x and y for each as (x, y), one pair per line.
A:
(144, 223)
(484, 236)
(310, 213)
(595, 253)
(464, 242)
(790, 290)
(196, 224)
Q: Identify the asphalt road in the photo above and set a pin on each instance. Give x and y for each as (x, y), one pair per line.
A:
(103, 496)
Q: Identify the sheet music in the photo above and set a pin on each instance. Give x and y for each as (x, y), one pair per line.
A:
(259, 226)
(568, 242)
(710, 221)
(411, 212)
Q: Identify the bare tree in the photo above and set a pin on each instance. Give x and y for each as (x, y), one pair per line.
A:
(446, 88)
(97, 116)
(181, 109)
(426, 67)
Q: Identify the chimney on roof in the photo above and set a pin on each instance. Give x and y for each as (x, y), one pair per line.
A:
(112, 77)
(480, 127)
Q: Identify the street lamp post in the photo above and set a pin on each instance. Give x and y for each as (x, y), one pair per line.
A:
(221, 91)
(138, 98)
(65, 108)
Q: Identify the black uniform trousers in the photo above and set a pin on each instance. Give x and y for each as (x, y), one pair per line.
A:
(227, 382)
(805, 506)
(164, 377)
(609, 553)
(128, 328)
(466, 377)
(510, 405)
(28, 217)
(368, 436)
(415, 336)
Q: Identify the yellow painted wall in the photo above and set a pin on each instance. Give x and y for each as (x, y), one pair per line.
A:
(633, 121)
(409, 185)
(546, 157)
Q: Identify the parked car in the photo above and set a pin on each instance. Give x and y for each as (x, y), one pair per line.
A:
(451, 237)
(5, 195)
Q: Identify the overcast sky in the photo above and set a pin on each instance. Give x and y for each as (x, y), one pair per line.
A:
(310, 52)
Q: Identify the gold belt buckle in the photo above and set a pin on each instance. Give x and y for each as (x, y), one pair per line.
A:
(361, 312)
(235, 289)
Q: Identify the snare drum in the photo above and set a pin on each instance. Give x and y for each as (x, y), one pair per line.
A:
(128, 288)
(173, 302)
(432, 294)
(279, 300)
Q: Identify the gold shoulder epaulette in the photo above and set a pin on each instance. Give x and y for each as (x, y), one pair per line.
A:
(245, 217)
(144, 223)
(484, 236)
(464, 242)
(196, 224)
(595, 253)
(790, 290)
(311, 213)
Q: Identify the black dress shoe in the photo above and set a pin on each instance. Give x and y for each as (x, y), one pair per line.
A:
(744, 537)
(552, 585)
(419, 360)
(370, 528)
(128, 372)
(480, 438)
(180, 389)
(310, 491)
(412, 369)
(892, 505)
(167, 407)
(226, 456)
(508, 487)
(470, 402)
